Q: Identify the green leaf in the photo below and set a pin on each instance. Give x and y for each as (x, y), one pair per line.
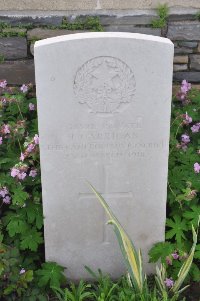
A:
(27, 276)
(11, 288)
(19, 196)
(16, 225)
(31, 240)
(1, 236)
(34, 214)
(51, 274)
(193, 215)
(195, 271)
(160, 250)
(178, 227)
(197, 252)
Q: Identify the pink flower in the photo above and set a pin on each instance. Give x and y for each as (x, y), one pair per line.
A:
(36, 139)
(30, 148)
(1, 140)
(195, 128)
(3, 192)
(21, 175)
(14, 172)
(24, 88)
(3, 84)
(7, 199)
(33, 173)
(6, 129)
(187, 118)
(19, 171)
(31, 107)
(22, 157)
(197, 167)
(175, 255)
(22, 271)
(185, 138)
(185, 86)
(181, 96)
(169, 282)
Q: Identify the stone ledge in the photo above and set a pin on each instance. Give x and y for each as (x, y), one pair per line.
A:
(182, 50)
(193, 77)
(13, 48)
(36, 21)
(134, 29)
(195, 62)
(107, 17)
(181, 59)
(18, 72)
(188, 44)
(180, 67)
(40, 33)
(181, 31)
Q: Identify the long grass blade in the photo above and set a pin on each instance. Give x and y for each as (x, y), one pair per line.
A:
(186, 265)
(133, 260)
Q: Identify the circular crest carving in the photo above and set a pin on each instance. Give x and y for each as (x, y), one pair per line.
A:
(105, 84)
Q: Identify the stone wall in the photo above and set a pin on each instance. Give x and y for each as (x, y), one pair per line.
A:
(16, 42)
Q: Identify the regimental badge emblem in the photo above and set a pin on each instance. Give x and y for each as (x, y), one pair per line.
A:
(105, 84)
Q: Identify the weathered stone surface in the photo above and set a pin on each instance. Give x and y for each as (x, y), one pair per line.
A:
(198, 48)
(13, 48)
(184, 31)
(18, 73)
(129, 4)
(182, 14)
(36, 21)
(183, 50)
(133, 29)
(138, 18)
(53, 5)
(188, 44)
(40, 33)
(195, 62)
(193, 77)
(180, 59)
(58, 5)
(180, 67)
(100, 98)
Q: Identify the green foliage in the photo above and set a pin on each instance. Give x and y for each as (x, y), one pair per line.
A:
(134, 264)
(21, 226)
(161, 21)
(80, 292)
(160, 251)
(1, 58)
(12, 281)
(198, 16)
(88, 23)
(183, 208)
(104, 288)
(50, 275)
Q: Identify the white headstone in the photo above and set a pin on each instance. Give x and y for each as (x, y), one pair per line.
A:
(104, 113)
